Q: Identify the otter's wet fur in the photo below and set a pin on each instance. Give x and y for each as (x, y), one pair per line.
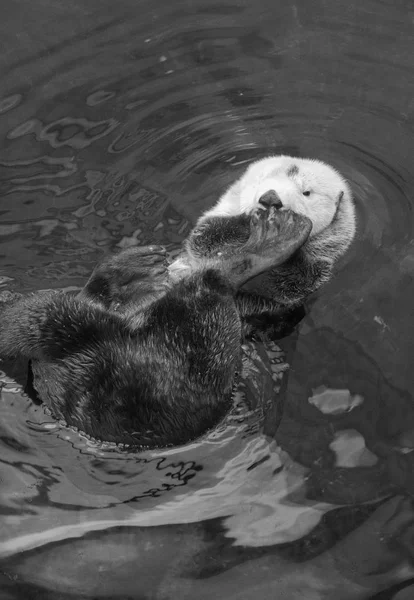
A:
(137, 358)
(311, 188)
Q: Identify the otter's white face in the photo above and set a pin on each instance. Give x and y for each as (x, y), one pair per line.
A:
(306, 186)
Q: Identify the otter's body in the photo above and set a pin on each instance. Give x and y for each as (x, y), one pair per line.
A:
(308, 187)
(139, 359)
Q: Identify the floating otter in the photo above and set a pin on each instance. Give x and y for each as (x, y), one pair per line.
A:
(137, 358)
(308, 187)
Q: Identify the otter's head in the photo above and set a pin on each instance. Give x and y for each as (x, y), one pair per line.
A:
(308, 187)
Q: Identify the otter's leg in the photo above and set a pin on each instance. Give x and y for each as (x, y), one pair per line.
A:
(22, 320)
(292, 282)
(138, 275)
(266, 319)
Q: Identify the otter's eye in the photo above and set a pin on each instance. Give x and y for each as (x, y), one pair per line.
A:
(306, 193)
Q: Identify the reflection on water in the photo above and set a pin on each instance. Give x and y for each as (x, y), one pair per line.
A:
(119, 124)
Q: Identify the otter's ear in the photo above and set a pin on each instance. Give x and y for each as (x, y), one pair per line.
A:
(341, 195)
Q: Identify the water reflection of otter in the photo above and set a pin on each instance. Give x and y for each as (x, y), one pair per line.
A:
(309, 187)
(139, 359)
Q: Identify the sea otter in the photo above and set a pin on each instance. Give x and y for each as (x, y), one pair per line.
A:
(308, 187)
(137, 358)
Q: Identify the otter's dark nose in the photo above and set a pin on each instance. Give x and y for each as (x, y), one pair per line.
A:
(269, 199)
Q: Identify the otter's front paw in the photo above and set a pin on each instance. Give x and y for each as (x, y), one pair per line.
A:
(265, 218)
(266, 224)
(219, 236)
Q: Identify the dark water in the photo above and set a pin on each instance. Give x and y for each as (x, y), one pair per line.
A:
(121, 121)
